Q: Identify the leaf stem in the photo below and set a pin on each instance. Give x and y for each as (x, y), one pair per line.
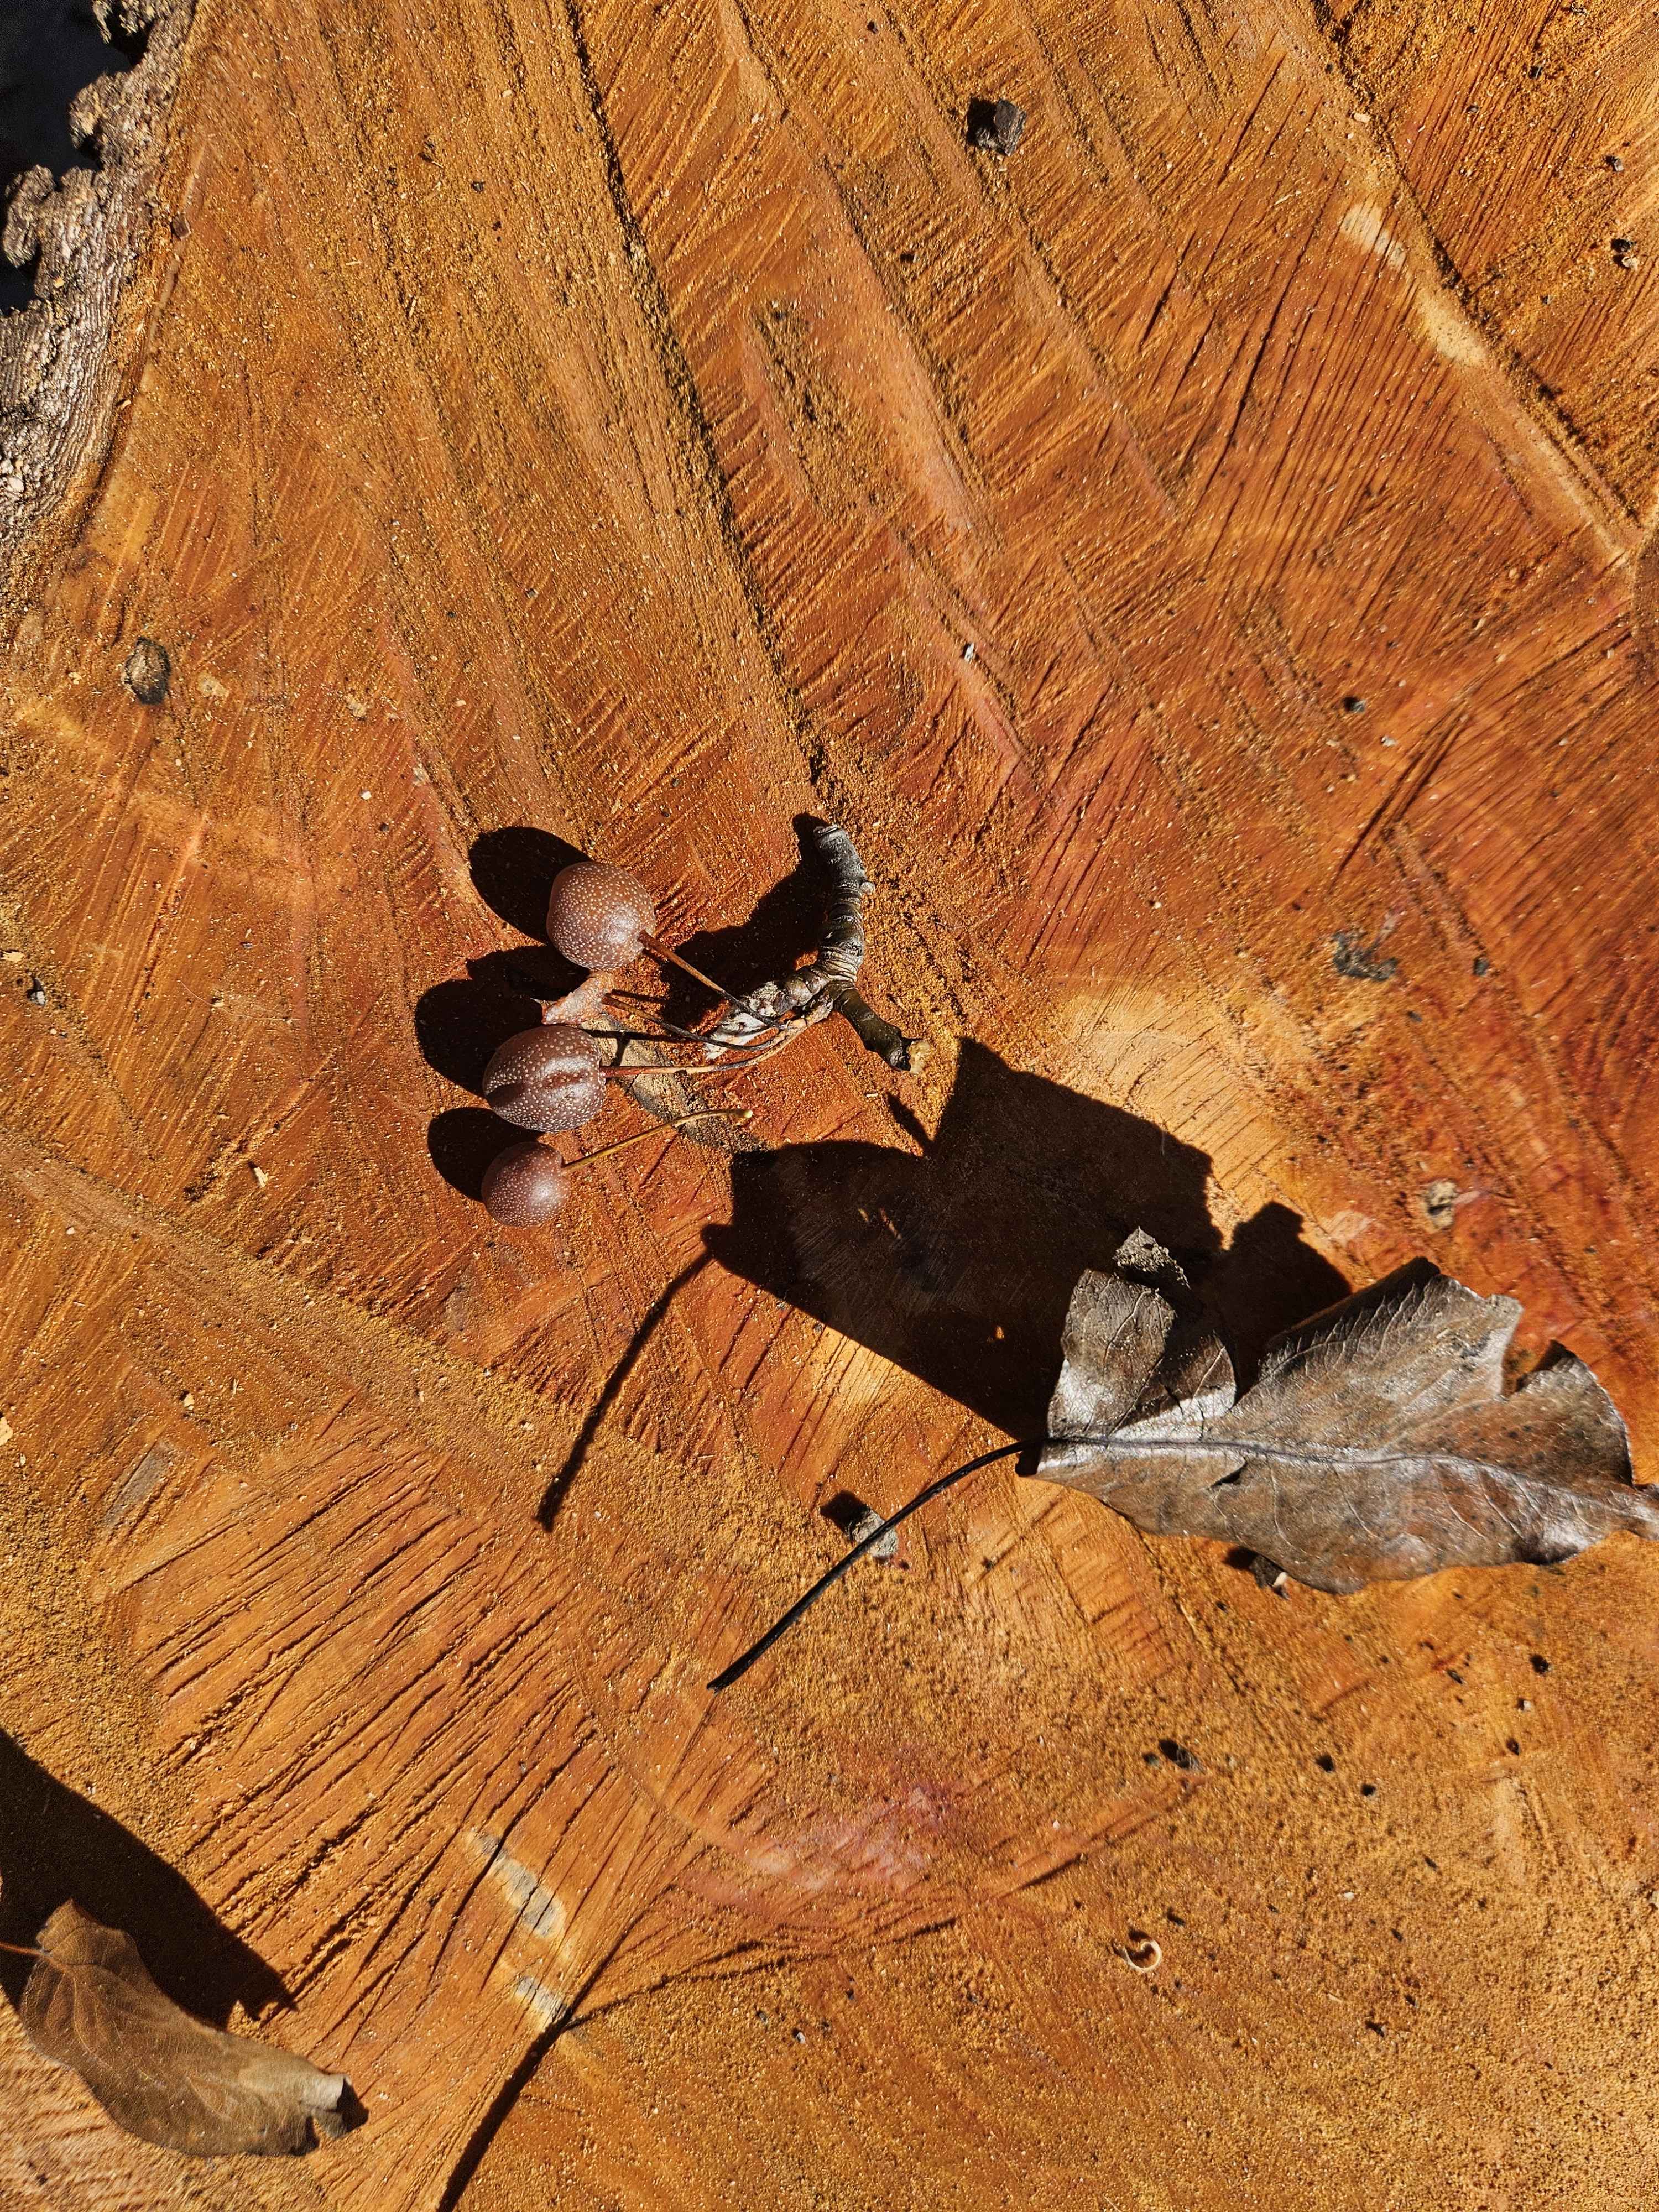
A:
(740, 1667)
(22, 1950)
(1274, 1453)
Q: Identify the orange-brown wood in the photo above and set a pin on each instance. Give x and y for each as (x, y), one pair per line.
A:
(640, 427)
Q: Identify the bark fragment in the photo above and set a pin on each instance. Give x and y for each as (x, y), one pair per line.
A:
(57, 365)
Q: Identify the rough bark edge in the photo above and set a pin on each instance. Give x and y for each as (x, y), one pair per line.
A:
(57, 355)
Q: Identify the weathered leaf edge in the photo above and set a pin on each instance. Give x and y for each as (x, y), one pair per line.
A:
(1066, 1455)
(325, 2105)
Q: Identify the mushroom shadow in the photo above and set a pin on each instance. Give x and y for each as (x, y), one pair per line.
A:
(782, 926)
(958, 1265)
(463, 1142)
(459, 1024)
(56, 1845)
(513, 871)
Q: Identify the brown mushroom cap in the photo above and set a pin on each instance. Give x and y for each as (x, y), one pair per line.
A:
(599, 915)
(524, 1185)
(546, 1078)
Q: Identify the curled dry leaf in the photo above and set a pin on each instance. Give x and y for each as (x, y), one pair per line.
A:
(88, 2004)
(1377, 1442)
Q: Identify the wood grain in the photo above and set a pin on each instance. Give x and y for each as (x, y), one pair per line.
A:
(618, 424)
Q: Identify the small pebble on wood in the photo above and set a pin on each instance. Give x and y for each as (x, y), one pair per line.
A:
(1440, 1202)
(147, 673)
(856, 1521)
(866, 1524)
(1361, 963)
(996, 126)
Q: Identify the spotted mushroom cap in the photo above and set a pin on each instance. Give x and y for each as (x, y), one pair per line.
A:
(524, 1185)
(546, 1078)
(598, 914)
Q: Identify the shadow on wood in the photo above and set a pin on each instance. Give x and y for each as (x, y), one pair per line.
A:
(957, 1265)
(55, 1845)
(553, 1496)
(513, 871)
(463, 1142)
(780, 930)
(460, 1022)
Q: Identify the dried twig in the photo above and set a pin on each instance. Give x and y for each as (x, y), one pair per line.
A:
(828, 984)
(755, 1024)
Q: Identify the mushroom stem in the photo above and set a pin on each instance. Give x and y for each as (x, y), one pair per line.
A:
(740, 1113)
(632, 1073)
(655, 946)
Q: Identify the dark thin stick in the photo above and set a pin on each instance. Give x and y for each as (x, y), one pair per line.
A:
(668, 1034)
(828, 983)
(671, 1033)
(740, 1667)
(621, 1072)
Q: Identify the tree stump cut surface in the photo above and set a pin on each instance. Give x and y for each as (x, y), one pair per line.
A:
(1203, 559)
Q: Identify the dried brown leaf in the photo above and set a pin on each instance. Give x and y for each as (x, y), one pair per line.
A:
(1376, 1443)
(88, 2004)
